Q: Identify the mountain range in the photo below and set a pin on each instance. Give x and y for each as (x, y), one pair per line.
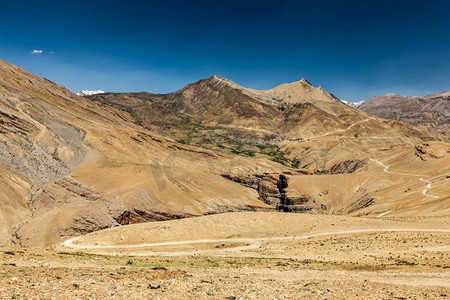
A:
(70, 165)
(432, 111)
(218, 114)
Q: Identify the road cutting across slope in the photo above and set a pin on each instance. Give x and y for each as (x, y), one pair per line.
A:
(427, 187)
(383, 214)
(385, 169)
(250, 243)
(428, 183)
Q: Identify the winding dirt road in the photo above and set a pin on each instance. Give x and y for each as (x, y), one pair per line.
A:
(427, 186)
(250, 243)
(385, 169)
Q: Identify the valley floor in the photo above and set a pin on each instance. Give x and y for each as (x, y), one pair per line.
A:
(241, 255)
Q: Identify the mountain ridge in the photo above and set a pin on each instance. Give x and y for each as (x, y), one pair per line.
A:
(70, 165)
(212, 101)
(431, 111)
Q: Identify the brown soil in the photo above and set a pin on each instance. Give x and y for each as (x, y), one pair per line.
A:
(287, 257)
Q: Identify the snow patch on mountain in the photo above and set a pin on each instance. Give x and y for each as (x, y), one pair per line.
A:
(353, 104)
(357, 104)
(89, 93)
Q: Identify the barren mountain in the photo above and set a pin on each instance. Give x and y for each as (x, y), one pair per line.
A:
(218, 114)
(432, 111)
(70, 165)
(308, 129)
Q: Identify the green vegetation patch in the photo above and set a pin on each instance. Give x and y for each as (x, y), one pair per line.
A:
(229, 142)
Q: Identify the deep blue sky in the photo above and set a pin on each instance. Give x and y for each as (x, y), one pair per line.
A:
(353, 48)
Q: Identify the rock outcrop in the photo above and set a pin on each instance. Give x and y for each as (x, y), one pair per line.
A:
(347, 166)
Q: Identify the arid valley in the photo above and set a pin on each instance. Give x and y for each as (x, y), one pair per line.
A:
(248, 255)
(217, 191)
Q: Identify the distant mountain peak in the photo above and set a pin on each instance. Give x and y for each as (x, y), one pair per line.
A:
(89, 93)
(220, 82)
(301, 91)
(431, 111)
(219, 79)
(444, 94)
(303, 80)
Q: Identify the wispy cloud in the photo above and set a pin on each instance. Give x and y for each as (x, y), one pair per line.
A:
(37, 51)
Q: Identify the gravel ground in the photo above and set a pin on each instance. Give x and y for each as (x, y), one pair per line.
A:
(48, 274)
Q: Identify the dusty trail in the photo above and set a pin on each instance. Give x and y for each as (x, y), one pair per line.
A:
(383, 214)
(427, 187)
(395, 173)
(424, 191)
(251, 243)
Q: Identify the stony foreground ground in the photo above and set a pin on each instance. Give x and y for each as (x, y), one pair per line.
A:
(50, 274)
(43, 274)
(240, 256)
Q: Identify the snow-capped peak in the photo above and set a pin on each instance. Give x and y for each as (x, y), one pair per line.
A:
(357, 104)
(353, 104)
(89, 93)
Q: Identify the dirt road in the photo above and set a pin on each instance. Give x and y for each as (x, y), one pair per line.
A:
(424, 191)
(249, 243)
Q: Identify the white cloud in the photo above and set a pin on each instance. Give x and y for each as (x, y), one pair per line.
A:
(37, 51)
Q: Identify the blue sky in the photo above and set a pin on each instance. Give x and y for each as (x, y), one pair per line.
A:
(355, 49)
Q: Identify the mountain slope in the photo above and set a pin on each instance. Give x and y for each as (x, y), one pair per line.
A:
(432, 111)
(69, 165)
(218, 114)
(307, 129)
(220, 102)
(72, 166)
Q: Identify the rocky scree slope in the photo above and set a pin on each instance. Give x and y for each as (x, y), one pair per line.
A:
(69, 166)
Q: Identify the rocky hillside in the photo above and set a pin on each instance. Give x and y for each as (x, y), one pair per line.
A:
(220, 115)
(289, 110)
(70, 166)
(432, 111)
(333, 149)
